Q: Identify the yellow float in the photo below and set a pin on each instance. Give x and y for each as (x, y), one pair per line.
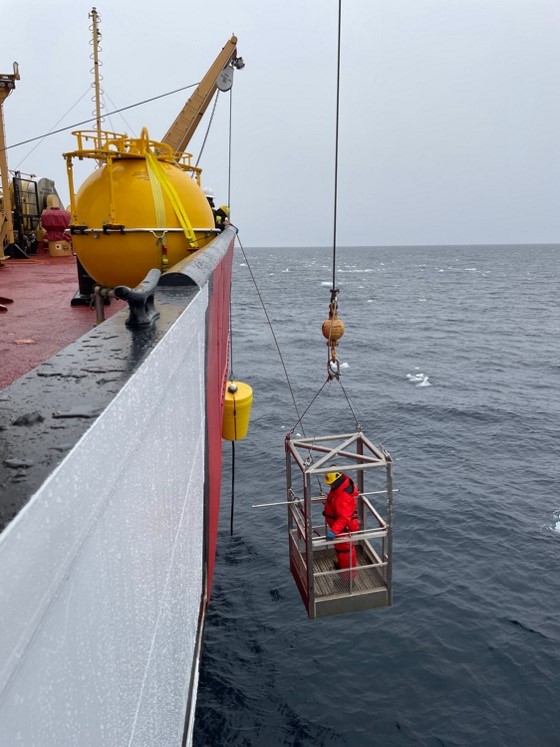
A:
(237, 410)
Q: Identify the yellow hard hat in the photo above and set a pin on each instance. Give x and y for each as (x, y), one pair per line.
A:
(330, 477)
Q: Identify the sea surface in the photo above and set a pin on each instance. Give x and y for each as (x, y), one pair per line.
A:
(451, 360)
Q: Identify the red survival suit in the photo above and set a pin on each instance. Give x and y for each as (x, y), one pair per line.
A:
(341, 514)
(55, 221)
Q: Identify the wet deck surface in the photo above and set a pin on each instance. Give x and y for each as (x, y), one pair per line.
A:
(44, 412)
(40, 321)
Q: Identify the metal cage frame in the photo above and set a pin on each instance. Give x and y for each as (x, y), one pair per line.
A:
(325, 589)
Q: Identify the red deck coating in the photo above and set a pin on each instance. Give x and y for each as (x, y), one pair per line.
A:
(40, 321)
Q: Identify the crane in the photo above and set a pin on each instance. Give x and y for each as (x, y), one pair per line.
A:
(183, 128)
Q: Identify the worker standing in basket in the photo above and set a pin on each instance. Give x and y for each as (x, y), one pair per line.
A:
(341, 514)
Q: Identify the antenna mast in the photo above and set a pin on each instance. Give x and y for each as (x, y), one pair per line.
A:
(96, 38)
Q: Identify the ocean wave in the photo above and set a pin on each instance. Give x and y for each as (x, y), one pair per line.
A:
(469, 653)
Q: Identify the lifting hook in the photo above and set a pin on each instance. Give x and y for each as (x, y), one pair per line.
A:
(333, 329)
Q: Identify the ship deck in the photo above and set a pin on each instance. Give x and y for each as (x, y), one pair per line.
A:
(40, 320)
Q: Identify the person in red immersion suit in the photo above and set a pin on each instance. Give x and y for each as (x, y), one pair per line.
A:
(341, 515)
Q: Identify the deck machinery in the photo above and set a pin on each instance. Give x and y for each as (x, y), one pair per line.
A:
(326, 590)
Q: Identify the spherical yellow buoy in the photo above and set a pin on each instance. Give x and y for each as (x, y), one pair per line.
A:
(123, 194)
(333, 329)
(237, 410)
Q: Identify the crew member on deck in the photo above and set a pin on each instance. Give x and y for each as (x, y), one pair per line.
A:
(221, 214)
(341, 515)
(209, 192)
(222, 217)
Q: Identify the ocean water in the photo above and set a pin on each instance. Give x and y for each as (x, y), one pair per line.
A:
(451, 359)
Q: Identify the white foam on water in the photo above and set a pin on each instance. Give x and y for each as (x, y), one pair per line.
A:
(356, 272)
(555, 526)
(418, 379)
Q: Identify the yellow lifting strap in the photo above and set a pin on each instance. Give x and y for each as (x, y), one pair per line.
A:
(157, 195)
(155, 167)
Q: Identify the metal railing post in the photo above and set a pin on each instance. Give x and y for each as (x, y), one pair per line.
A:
(309, 542)
(389, 531)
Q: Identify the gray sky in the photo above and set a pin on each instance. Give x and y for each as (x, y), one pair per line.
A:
(449, 109)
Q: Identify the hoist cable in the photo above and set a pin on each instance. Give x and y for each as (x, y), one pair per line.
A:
(231, 375)
(333, 366)
(335, 211)
(272, 331)
(229, 148)
(208, 128)
(334, 290)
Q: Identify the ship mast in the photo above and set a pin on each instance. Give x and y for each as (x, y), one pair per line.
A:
(7, 85)
(96, 36)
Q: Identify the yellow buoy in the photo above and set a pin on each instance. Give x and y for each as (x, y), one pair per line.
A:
(139, 210)
(237, 410)
(125, 258)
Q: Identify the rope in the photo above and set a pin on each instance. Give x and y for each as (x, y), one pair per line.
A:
(232, 488)
(309, 406)
(50, 132)
(208, 128)
(92, 119)
(335, 209)
(130, 129)
(358, 426)
(231, 374)
(229, 204)
(229, 148)
(271, 330)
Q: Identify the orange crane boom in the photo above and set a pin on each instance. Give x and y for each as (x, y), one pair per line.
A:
(184, 127)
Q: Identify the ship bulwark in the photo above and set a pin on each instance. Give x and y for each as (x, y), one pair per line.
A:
(102, 571)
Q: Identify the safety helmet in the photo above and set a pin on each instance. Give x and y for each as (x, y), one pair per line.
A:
(330, 477)
(225, 209)
(209, 192)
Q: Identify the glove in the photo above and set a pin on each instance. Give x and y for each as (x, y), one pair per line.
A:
(330, 534)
